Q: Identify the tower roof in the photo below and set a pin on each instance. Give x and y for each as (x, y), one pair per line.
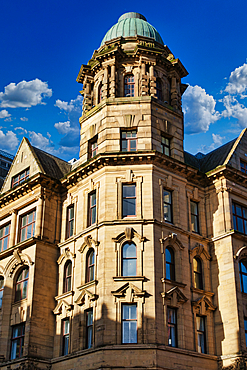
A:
(132, 24)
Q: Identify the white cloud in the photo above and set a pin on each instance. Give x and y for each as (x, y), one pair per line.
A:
(74, 104)
(25, 94)
(64, 127)
(9, 140)
(237, 81)
(21, 129)
(235, 109)
(40, 141)
(199, 110)
(24, 119)
(4, 113)
(217, 141)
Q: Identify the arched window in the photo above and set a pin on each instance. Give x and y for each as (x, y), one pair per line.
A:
(67, 276)
(243, 275)
(170, 264)
(1, 290)
(129, 259)
(129, 85)
(21, 285)
(100, 92)
(197, 267)
(90, 265)
(159, 88)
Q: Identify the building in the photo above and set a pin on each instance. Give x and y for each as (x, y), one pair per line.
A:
(5, 164)
(134, 256)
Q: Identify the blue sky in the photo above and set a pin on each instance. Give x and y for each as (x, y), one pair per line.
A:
(43, 44)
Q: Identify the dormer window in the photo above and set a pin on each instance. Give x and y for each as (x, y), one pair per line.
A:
(129, 85)
(21, 177)
(165, 145)
(243, 166)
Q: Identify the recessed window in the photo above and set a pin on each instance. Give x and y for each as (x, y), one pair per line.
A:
(201, 334)
(243, 275)
(21, 285)
(20, 177)
(129, 323)
(239, 218)
(92, 208)
(194, 217)
(129, 259)
(70, 221)
(89, 328)
(129, 200)
(197, 268)
(68, 277)
(165, 145)
(90, 265)
(167, 197)
(129, 85)
(172, 327)
(65, 348)
(17, 341)
(4, 237)
(245, 330)
(170, 264)
(129, 141)
(28, 225)
(100, 92)
(1, 290)
(243, 166)
(93, 147)
(159, 88)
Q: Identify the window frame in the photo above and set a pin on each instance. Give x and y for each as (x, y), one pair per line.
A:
(67, 278)
(5, 236)
(70, 221)
(166, 145)
(201, 333)
(89, 328)
(171, 264)
(92, 208)
(159, 93)
(66, 336)
(243, 166)
(195, 216)
(125, 200)
(123, 320)
(93, 151)
(19, 339)
(20, 179)
(243, 286)
(89, 266)
(170, 326)
(129, 259)
(27, 224)
(22, 284)
(168, 205)
(245, 329)
(129, 140)
(129, 86)
(198, 275)
(237, 217)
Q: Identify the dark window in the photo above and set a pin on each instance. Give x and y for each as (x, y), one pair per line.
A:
(243, 275)
(129, 323)
(170, 264)
(167, 197)
(201, 334)
(129, 259)
(172, 327)
(165, 145)
(1, 290)
(65, 324)
(21, 285)
(197, 268)
(28, 225)
(4, 237)
(194, 216)
(90, 265)
(159, 88)
(89, 328)
(129, 200)
(21, 177)
(92, 208)
(70, 221)
(129, 85)
(100, 93)
(245, 330)
(17, 341)
(239, 218)
(68, 277)
(243, 166)
(93, 147)
(128, 141)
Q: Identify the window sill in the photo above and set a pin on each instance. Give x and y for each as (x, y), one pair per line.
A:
(201, 291)
(87, 285)
(173, 282)
(64, 295)
(129, 278)
(20, 302)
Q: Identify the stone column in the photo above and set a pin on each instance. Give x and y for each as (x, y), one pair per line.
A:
(39, 218)
(12, 236)
(113, 82)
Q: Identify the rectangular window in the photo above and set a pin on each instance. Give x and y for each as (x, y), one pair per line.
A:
(243, 166)
(17, 341)
(92, 208)
(70, 221)
(21, 177)
(245, 330)
(201, 334)
(165, 145)
(89, 327)
(172, 327)
(66, 325)
(194, 216)
(167, 197)
(4, 237)
(27, 225)
(93, 147)
(239, 218)
(129, 141)
(129, 323)
(129, 200)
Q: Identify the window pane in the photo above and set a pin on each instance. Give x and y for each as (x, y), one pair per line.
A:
(238, 210)
(244, 266)
(25, 273)
(24, 292)
(93, 215)
(240, 225)
(194, 207)
(201, 344)
(66, 345)
(89, 318)
(129, 207)
(129, 250)
(129, 267)
(90, 337)
(1, 282)
(133, 145)
(234, 222)
(24, 220)
(5, 244)
(129, 191)
(124, 145)
(244, 288)
(194, 225)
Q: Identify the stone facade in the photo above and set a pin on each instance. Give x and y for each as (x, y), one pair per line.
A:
(132, 256)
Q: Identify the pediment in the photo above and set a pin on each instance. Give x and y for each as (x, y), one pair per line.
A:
(18, 259)
(129, 291)
(171, 239)
(88, 242)
(128, 234)
(66, 255)
(203, 305)
(62, 305)
(175, 295)
(85, 297)
(199, 250)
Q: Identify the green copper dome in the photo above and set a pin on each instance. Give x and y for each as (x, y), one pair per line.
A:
(132, 24)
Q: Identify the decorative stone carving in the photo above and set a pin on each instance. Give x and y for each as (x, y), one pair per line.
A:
(203, 305)
(128, 292)
(175, 296)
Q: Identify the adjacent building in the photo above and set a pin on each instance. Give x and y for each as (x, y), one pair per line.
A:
(5, 164)
(134, 256)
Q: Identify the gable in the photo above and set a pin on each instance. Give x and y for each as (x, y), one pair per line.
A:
(238, 152)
